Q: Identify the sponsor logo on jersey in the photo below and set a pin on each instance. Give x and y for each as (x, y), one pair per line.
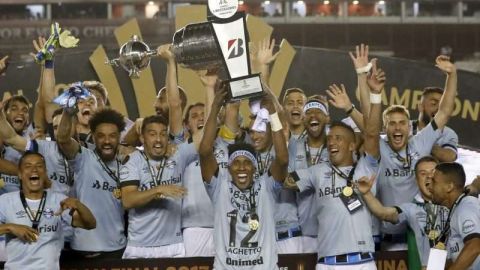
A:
(48, 228)
(11, 179)
(455, 248)
(103, 185)
(468, 226)
(328, 191)
(241, 262)
(21, 214)
(389, 172)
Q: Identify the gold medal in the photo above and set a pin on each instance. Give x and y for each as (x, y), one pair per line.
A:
(347, 191)
(2, 182)
(117, 193)
(433, 234)
(440, 245)
(253, 224)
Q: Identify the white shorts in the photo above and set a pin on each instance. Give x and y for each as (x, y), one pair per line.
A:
(309, 244)
(291, 245)
(167, 251)
(198, 242)
(363, 266)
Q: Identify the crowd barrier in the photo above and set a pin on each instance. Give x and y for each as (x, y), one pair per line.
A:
(393, 260)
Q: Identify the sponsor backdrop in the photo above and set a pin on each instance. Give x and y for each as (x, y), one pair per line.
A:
(312, 70)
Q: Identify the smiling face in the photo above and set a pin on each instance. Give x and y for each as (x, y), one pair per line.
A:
(314, 122)
(33, 174)
(86, 108)
(106, 137)
(242, 171)
(428, 106)
(397, 127)
(155, 140)
(293, 106)
(341, 144)
(424, 175)
(18, 115)
(261, 141)
(196, 118)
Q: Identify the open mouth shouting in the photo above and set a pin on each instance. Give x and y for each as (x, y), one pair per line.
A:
(242, 178)
(296, 115)
(35, 180)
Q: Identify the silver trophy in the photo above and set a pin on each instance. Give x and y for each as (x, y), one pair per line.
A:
(195, 48)
(134, 56)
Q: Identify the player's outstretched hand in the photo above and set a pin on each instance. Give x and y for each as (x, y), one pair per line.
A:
(364, 184)
(172, 191)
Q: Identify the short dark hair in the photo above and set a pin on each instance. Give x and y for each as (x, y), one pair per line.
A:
(454, 172)
(27, 154)
(432, 89)
(189, 108)
(19, 98)
(240, 146)
(425, 159)
(107, 116)
(345, 126)
(292, 90)
(58, 111)
(159, 119)
(183, 95)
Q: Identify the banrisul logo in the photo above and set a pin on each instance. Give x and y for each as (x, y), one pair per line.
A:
(235, 48)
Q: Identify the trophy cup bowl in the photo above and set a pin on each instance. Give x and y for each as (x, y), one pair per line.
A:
(134, 56)
(195, 48)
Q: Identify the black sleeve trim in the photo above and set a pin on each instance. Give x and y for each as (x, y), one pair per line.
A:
(130, 183)
(399, 210)
(434, 125)
(470, 237)
(449, 145)
(295, 176)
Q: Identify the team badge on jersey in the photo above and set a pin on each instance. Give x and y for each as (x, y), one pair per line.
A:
(170, 164)
(48, 213)
(219, 153)
(117, 193)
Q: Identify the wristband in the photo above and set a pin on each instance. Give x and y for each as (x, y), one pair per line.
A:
(350, 110)
(375, 98)
(275, 123)
(49, 64)
(364, 69)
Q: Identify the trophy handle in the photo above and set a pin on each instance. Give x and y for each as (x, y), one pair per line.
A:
(151, 53)
(113, 62)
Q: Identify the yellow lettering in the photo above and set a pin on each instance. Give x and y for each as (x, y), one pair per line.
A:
(402, 265)
(458, 107)
(396, 99)
(468, 109)
(417, 96)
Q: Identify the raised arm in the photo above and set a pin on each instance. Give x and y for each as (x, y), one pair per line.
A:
(447, 102)
(3, 64)
(279, 167)
(8, 167)
(360, 63)
(67, 144)
(262, 56)
(173, 94)
(208, 163)
(340, 100)
(389, 214)
(373, 118)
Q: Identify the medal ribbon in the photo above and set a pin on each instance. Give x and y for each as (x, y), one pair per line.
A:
(446, 229)
(155, 177)
(38, 215)
(348, 177)
(309, 155)
(262, 168)
(406, 161)
(115, 177)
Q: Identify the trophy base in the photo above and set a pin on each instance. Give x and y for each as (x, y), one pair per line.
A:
(245, 87)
